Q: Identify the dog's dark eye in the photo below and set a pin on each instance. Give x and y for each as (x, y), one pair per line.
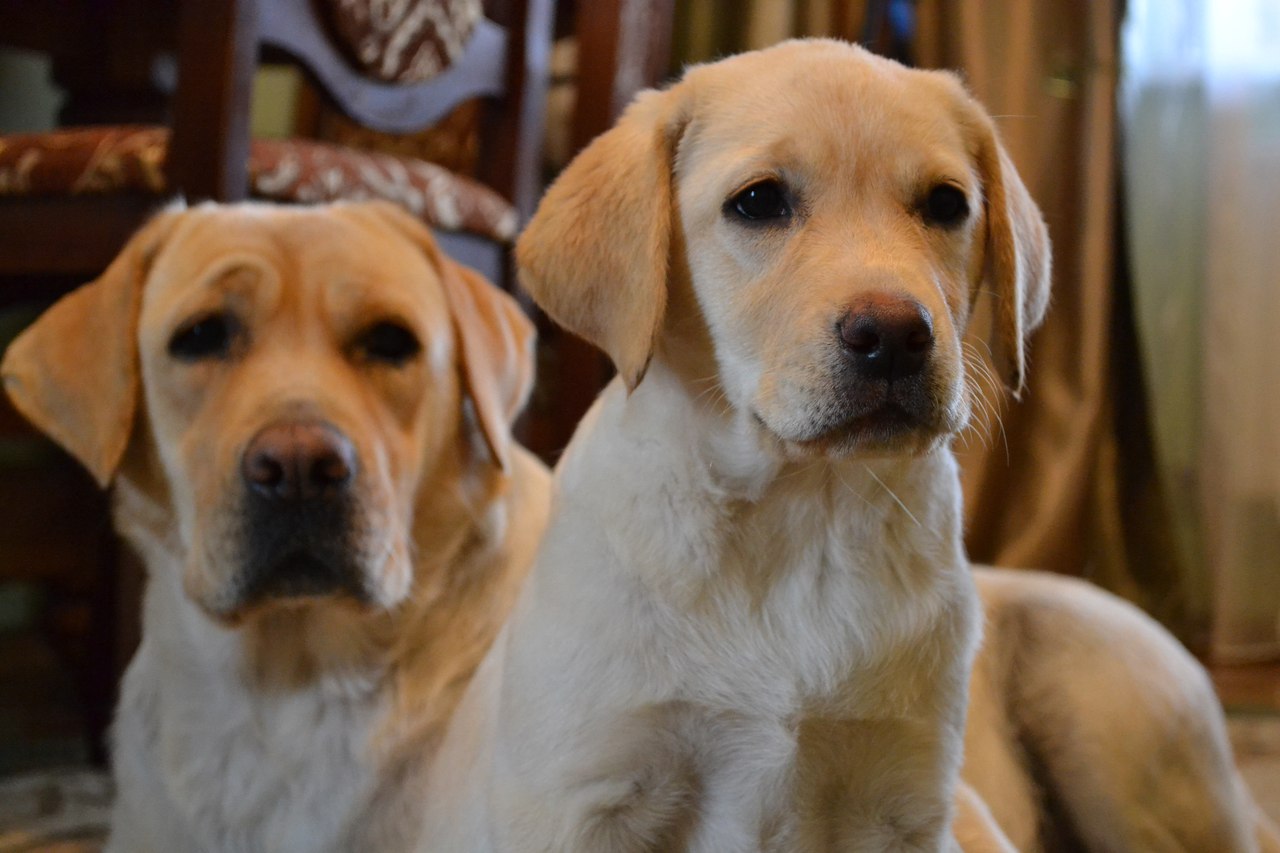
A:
(206, 337)
(765, 200)
(389, 342)
(946, 205)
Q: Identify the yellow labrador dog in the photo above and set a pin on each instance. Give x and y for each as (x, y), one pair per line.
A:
(751, 621)
(305, 414)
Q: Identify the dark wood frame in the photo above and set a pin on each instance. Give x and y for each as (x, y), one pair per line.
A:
(506, 66)
(219, 45)
(623, 46)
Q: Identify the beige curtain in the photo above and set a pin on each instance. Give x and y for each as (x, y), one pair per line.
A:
(1068, 484)
(1202, 104)
(1064, 480)
(706, 29)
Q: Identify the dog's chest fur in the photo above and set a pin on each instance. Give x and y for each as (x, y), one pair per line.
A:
(236, 765)
(761, 642)
(745, 574)
(796, 592)
(795, 630)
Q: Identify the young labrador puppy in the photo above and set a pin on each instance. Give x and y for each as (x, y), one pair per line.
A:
(305, 414)
(751, 620)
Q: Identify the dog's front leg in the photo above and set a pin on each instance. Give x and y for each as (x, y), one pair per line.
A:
(635, 792)
(643, 812)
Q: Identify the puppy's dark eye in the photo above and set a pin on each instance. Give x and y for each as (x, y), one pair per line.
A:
(207, 337)
(389, 342)
(762, 201)
(946, 205)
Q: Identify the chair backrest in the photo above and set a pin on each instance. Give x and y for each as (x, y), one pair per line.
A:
(219, 47)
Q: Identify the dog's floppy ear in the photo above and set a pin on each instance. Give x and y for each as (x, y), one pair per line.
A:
(74, 372)
(1017, 257)
(495, 338)
(595, 254)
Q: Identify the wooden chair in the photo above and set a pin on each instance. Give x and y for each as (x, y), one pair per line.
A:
(51, 241)
(623, 47)
(208, 153)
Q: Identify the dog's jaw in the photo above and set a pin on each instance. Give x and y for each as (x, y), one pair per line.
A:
(744, 439)
(741, 454)
(886, 431)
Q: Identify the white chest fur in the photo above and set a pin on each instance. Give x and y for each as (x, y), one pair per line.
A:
(724, 653)
(217, 763)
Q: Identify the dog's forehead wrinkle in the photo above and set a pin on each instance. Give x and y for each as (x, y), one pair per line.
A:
(352, 299)
(301, 269)
(250, 285)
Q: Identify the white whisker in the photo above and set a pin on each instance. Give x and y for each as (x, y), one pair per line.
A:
(896, 499)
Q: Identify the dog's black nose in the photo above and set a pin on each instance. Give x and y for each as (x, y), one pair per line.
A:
(298, 460)
(886, 336)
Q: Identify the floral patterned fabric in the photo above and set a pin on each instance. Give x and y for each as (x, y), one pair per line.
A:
(309, 172)
(78, 162)
(402, 41)
(130, 159)
(453, 142)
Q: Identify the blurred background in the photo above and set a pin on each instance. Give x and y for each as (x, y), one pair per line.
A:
(1145, 455)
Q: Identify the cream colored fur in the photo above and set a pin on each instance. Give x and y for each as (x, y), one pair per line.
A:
(750, 623)
(295, 724)
(1090, 728)
(743, 636)
(735, 640)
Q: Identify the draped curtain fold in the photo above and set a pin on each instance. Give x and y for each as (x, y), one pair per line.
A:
(1201, 102)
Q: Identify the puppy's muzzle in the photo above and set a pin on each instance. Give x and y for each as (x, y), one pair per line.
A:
(298, 514)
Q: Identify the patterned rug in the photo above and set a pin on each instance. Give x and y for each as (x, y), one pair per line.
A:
(67, 811)
(54, 811)
(1256, 741)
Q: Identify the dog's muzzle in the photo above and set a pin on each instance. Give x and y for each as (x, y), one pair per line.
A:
(298, 518)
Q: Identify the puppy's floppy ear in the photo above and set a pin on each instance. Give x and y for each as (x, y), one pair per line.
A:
(74, 372)
(1017, 256)
(494, 337)
(595, 254)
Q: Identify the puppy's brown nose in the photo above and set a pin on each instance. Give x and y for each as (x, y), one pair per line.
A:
(886, 336)
(298, 460)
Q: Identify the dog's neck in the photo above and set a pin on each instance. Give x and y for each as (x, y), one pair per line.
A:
(676, 461)
(685, 426)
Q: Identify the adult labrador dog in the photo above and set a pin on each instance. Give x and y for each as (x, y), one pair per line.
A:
(1090, 728)
(305, 414)
(751, 622)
